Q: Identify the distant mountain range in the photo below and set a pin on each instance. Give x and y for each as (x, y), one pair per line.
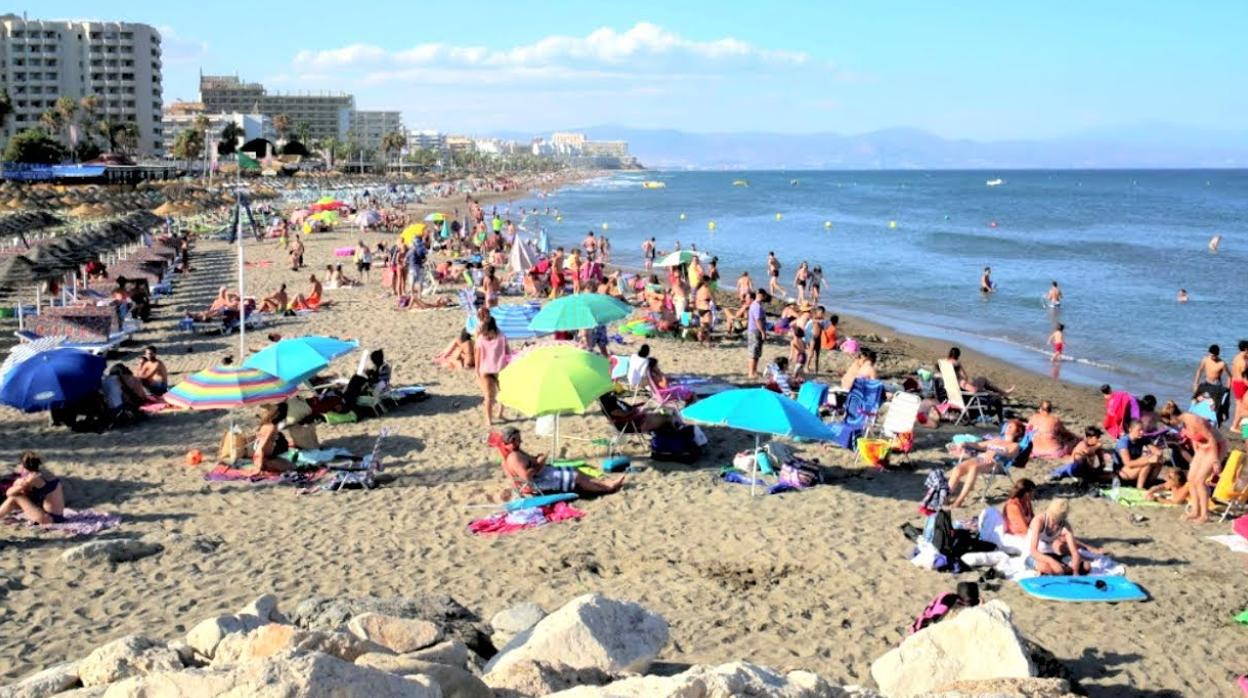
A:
(1139, 146)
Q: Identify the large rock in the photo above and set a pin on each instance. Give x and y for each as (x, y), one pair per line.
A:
(264, 607)
(132, 655)
(1005, 688)
(451, 653)
(978, 643)
(512, 621)
(111, 551)
(50, 681)
(291, 674)
(332, 613)
(590, 632)
(92, 692)
(724, 681)
(208, 633)
(400, 635)
(454, 682)
(275, 638)
(528, 678)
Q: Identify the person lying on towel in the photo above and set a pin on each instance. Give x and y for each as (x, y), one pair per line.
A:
(534, 471)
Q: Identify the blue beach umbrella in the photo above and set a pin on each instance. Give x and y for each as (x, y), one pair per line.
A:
(299, 358)
(512, 320)
(580, 311)
(760, 411)
(51, 377)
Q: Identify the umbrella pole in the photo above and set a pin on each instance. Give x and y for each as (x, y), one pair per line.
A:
(754, 466)
(242, 304)
(38, 299)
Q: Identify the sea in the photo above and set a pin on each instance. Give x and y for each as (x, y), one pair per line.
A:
(906, 249)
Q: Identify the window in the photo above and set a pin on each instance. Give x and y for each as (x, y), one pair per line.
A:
(129, 104)
(127, 35)
(19, 117)
(49, 35)
(127, 49)
(51, 62)
(19, 76)
(18, 33)
(95, 36)
(51, 76)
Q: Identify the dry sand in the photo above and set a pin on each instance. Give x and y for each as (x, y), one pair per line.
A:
(815, 580)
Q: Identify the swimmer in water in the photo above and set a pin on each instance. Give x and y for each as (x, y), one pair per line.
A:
(1214, 242)
(1058, 341)
(985, 281)
(1054, 297)
(1182, 295)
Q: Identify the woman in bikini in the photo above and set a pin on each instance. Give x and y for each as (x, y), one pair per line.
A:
(1018, 511)
(270, 442)
(490, 287)
(987, 454)
(1209, 448)
(36, 493)
(1052, 546)
(1049, 437)
(458, 354)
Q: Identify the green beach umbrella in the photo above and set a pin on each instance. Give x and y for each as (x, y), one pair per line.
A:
(679, 257)
(553, 380)
(578, 312)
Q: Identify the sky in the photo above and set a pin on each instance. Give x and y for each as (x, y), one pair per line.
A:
(980, 71)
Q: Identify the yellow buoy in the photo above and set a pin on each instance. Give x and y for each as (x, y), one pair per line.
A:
(558, 219)
(892, 225)
(682, 216)
(827, 225)
(711, 226)
(778, 216)
(604, 226)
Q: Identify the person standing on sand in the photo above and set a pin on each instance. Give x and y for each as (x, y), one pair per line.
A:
(1209, 448)
(648, 252)
(755, 332)
(773, 277)
(490, 356)
(1239, 384)
(1057, 340)
(590, 245)
(745, 288)
(1213, 369)
(800, 278)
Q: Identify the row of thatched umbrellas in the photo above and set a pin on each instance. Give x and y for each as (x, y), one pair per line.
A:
(51, 259)
(95, 201)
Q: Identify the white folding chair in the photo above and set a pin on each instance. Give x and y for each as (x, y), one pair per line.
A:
(964, 402)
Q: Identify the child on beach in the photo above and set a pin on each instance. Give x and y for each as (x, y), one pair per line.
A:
(1175, 490)
(797, 350)
(1057, 340)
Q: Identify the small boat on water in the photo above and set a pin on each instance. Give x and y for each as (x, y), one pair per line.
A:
(995, 182)
(793, 182)
(651, 184)
(740, 182)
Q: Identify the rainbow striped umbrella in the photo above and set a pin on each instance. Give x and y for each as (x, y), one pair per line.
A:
(228, 387)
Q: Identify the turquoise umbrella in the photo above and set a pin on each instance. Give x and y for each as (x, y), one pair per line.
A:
(297, 359)
(580, 311)
(761, 411)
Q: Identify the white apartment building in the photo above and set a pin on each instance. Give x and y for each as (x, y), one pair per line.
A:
(426, 140)
(368, 127)
(181, 116)
(117, 62)
(326, 115)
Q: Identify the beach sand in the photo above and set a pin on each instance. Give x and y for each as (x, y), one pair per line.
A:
(816, 580)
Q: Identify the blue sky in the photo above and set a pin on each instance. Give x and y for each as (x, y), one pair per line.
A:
(985, 71)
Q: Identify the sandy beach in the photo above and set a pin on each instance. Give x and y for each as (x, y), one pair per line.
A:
(814, 580)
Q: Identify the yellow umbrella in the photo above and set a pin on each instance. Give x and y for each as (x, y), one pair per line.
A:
(410, 232)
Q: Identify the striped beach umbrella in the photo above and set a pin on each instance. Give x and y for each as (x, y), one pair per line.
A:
(228, 387)
(512, 319)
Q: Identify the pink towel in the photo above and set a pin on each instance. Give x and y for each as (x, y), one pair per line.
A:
(504, 522)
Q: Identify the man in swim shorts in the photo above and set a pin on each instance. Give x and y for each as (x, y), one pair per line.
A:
(534, 471)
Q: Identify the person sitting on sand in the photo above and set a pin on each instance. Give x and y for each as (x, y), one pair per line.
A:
(988, 453)
(1209, 447)
(633, 417)
(458, 354)
(1017, 511)
(270, 442)
(1052, 546)
(1087, 458)
(863, 366)
(152, 372)
(535, 473)
(1049, 437)
(275, 303)
(1136, 457)
(1174, 488)
(36, 493)
(313, 300)
(776, 377)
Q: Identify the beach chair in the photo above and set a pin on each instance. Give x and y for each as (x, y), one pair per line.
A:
(1231, 488)
(1018, 461)
(624, 430)
(900, 415)
(115, 340)
(862, 404)
(813, 395)
(967, 404)
(360, 474)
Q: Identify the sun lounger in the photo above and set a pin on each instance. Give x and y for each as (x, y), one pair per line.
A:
(98, 348)
(968, 405)
(1231, 490)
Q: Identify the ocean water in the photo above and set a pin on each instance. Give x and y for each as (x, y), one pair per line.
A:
(1120, 243)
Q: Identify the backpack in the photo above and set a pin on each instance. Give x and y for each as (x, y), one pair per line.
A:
(677, 444)
(944, 604)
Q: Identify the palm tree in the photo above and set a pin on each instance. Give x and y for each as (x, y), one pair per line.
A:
(51, 122)
(393, 143)
(108, 129)
(127, 137)
(303, 132)
(281, 123)
(188, 145)
(229, 138)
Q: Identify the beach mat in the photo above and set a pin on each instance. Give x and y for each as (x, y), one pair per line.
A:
(511, 522)
(1083, 589)
(224, 473)
(1130, 497)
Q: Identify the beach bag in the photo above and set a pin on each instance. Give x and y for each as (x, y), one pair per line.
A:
(874, 452)
(675, 444)
(234, 447)
(944, 604)
(801, 474)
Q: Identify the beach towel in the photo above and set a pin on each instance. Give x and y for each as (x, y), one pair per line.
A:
(511, 522)
(1235, 543)
(86, 522)
(224, 473)
(319, 456)
(1130, 497)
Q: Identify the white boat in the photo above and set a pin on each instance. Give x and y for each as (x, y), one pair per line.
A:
(995, 182)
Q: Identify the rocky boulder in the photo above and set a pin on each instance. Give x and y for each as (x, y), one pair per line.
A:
(110, 551)
(529, 678)
(264, 607)
(399, 635)
(724, 681)
(590, 632)
(292, 673)
(455, 621)
(512, 621)
(977, 644)
(50, 681)
(208, 633)
(454, 682)
(132, 655)
(275, 638)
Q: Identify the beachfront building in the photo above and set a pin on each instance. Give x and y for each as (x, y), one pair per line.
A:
(426, 140)
(119, 63)
(324, 115)
(567, 143)
(181, 116)
(369, 127)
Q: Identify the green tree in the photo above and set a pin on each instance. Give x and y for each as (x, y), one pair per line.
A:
(127, 137)
(188, 145)
(230, 134)
(6, 108)
(34, 146)
(108, 129)
(51, 121)
(303, 132)
(281, 124)
(392, 144)
(67, 108)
